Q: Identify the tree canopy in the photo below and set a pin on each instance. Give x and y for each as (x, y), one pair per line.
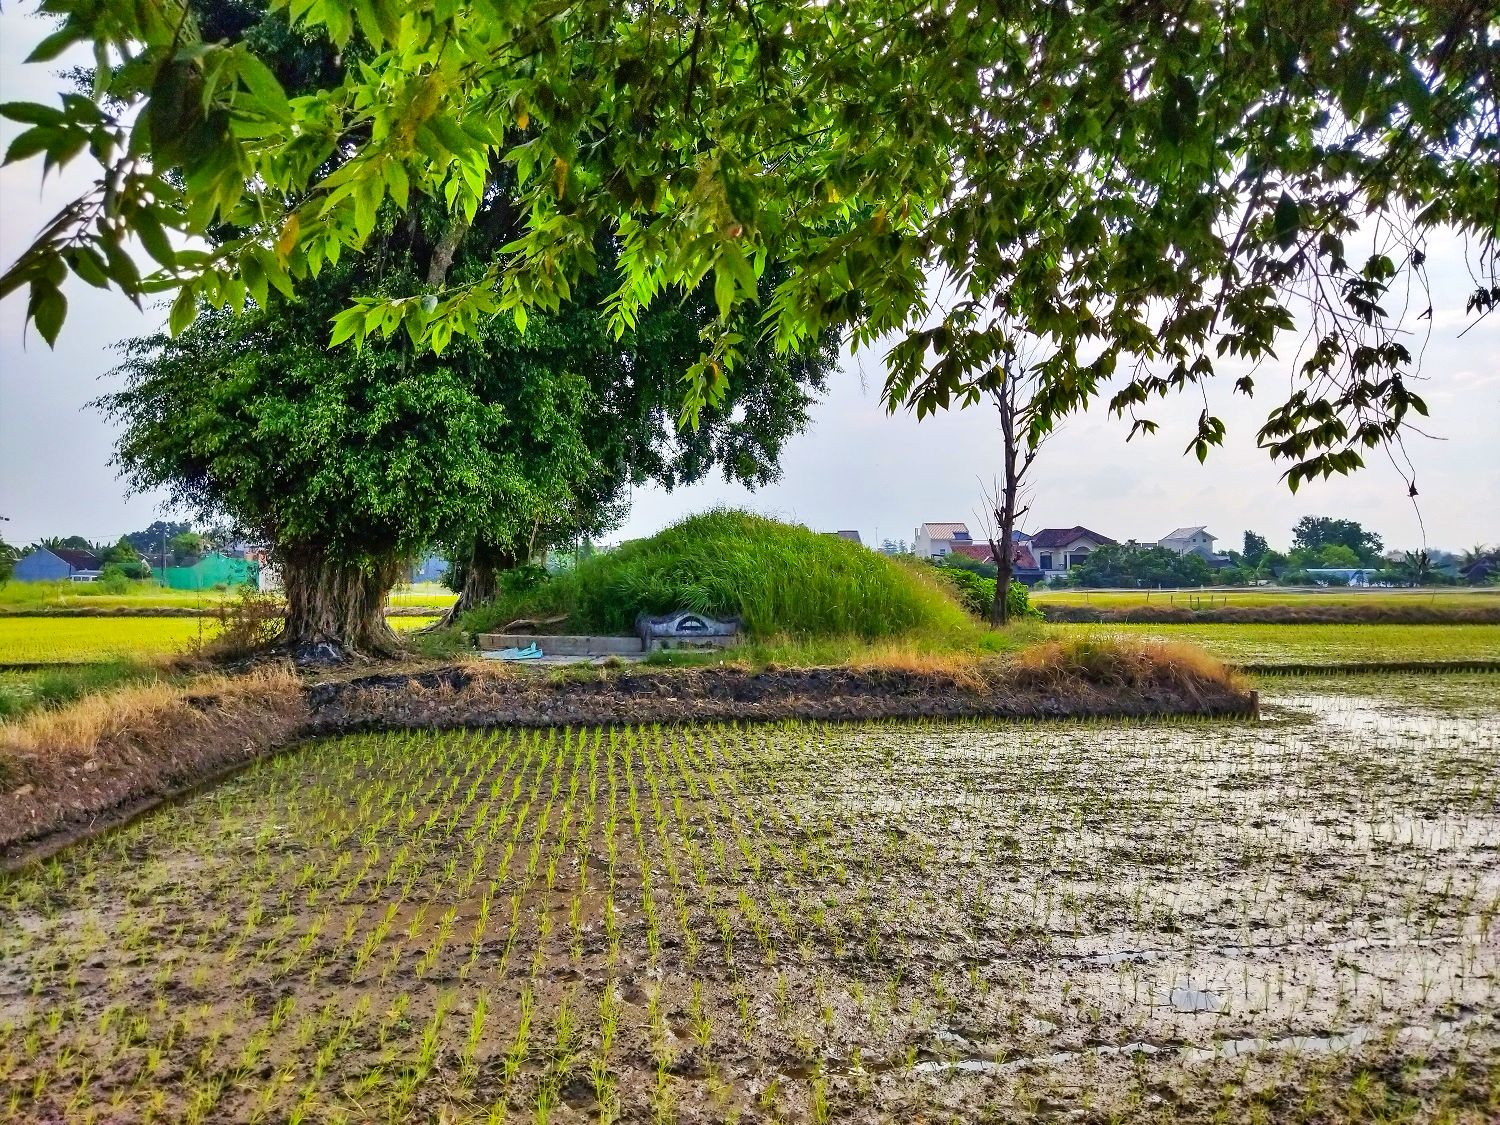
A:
(161, 533)
(1313, 534)
(1153, 190)
(496, 444)
(1149, 567)
(1255, 549)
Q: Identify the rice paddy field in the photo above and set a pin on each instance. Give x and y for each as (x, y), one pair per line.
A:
(1290, 919)
(74, 640)
(71, 640)
(1213, 597)
(1316, 644)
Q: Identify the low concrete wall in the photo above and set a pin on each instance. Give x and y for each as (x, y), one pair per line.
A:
(563, 645)
(701, 643)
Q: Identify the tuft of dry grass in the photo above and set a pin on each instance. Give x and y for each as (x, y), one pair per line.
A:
(1118, 662)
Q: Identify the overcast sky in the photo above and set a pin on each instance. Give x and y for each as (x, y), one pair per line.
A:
(856, 466)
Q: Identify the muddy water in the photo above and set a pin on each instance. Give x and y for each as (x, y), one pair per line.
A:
(888, 922)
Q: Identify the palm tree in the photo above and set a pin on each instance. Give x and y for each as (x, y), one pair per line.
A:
(1416, 568)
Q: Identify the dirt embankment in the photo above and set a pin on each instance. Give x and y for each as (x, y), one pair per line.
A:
(67, 774)
(1276, 615)
(70, 772)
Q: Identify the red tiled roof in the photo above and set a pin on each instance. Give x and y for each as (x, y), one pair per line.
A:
(1020, 555)
(1050, 537)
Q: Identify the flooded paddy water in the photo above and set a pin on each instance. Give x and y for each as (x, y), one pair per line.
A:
(1296, 918)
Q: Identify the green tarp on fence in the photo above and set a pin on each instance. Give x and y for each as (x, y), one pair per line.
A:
(208, 572)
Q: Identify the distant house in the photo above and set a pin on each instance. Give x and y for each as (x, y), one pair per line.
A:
(1058, 550)
(57, 564)
(1023, 566)
(1189, 541)
(934, 540)
(852, 536)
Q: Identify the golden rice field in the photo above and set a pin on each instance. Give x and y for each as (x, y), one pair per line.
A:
(1286, 920)
(1315, 644)
(22, 596)
(70, 640)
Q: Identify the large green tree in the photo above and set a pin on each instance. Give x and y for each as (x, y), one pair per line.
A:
(351, 464)
(1150, 188)
(1149, 567)
(1314, 533)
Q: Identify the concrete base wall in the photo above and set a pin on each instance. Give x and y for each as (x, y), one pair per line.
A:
(692, 644)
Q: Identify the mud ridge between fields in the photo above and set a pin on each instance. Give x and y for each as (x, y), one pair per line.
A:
(458, 697)
(1374, 668)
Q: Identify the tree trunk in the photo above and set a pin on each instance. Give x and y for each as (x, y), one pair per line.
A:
(481, 580)
(1005, 516)
(335, 611)
(1000, 609)
(1014, 464)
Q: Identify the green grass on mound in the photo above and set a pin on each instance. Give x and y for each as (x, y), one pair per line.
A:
(780, 579)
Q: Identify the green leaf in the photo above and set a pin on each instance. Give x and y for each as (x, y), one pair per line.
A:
(32, 113)
(254, 277)
(184, 311)
(55, 44)
(1288, 219)
(154, 238)
(87, 264)
(345, 325)
(723, 291)
(49, 308)
(40, 138)
(262, 83)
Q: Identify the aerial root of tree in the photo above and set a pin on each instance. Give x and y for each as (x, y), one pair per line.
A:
(336, 611)
(481, 581)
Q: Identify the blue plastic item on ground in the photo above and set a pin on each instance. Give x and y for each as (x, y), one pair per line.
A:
(530, 652)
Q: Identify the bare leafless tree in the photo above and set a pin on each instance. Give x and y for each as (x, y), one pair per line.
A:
(1012, 387)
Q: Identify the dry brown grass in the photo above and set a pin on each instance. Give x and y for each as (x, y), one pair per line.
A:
(1117, 662)
(96, 720)
(968, 669)
(68, 766)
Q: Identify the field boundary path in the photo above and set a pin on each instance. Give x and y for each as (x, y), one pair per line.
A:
(1373, 667)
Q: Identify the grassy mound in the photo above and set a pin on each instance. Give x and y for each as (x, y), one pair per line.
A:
(778, 578)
